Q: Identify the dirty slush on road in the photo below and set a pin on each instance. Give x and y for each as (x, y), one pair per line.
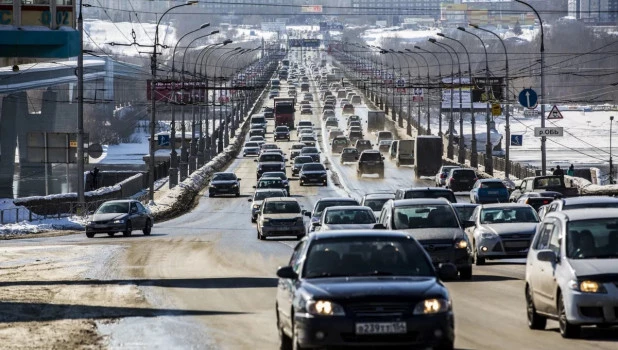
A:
(56, 296)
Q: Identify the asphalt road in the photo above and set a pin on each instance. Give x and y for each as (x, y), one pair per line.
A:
(210, 267)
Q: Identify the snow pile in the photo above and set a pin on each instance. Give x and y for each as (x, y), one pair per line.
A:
(39, 226)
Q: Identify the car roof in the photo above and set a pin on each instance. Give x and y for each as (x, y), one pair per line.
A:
(490, 180)
(334, 234)
(440, 189)
(269, 190)
(372, 151)
(579, 214)
(121, 201)
(416, 201)
(350, 207)
(589, 199)
(505, 205)
(461, 205)
(379, 196)
(281, 199)
(336, 199)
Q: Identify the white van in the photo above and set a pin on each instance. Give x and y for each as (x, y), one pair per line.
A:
(405, 152)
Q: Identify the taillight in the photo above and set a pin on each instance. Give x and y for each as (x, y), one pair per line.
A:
(442, 176)
(452, 179)
(527, 201)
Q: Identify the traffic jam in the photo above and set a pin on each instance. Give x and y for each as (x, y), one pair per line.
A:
(371, 267)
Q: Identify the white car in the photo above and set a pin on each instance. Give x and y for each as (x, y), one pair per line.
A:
(571, 271)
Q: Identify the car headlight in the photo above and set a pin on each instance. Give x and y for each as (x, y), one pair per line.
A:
(89, 222)
(461, 244)
(256, 206)
(587, 286)
(119, 221)
(322, 175)
(488, 235)
(235, 185)
(324, 308)
(432, 306)
(213, 186)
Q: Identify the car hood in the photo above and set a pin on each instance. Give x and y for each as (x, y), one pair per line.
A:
(592, 267)
(223, 182)
(107, 216)
(429, 234)
(512, 228)
(315, 172)
(270, 163)
(283, 216)
(355, 287)
(347, 227)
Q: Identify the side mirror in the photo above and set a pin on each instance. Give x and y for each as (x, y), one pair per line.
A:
(254, 186)
(325, 168)
(250, 200)
(316, 224)
(239, 179)
(546, 255)
(379, 226)
(307, 213)
(287, 272)
(447, 271)
(255, 160)
(468, 223)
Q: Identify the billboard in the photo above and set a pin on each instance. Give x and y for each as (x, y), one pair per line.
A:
(477, 89)
(311, 9)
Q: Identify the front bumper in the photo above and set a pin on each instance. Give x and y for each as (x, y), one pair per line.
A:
(102, 228)
(503, 249)
(224, 190)
(271, 231)
(282, 136)
(422, 331)
(459, 257)
(588, 308)
(314, 180)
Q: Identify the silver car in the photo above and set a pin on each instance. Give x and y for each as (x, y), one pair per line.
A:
(258, 197)
(500, 231)
(443, 174)
(280, 216)
(346, 218)
(571, 271)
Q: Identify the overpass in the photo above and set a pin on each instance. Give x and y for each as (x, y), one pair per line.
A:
(42, 97)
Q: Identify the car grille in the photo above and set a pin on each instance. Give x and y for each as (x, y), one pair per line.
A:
(591, 311)
(380, 309)
(437, 246)
(283, 222)
(515, 245)
(515, 236)
(385, 338)
(101, 222)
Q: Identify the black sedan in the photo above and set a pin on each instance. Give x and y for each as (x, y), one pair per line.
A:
(313, 173)
(299, 162)
(224, 183)
(282, 133)
(120, 216)
(363, 288)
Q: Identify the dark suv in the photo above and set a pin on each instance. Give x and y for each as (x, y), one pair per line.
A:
(269, 161)
(370, 162)
(425, 192)
(461, 179)
(224, 183)
(282, 132)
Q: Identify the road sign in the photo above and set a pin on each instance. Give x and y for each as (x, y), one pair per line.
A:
(554, 113)
(95, 150)
(549, 132)
(401, 83)
(496, 109)
(517, 140)
(528, 98)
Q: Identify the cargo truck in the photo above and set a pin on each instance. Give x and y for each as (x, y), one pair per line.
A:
(375, 120)
(284, 111)
(428, 155)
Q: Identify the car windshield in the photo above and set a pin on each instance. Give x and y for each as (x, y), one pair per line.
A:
(590, 205)
(261, 195)
(373, 156)
(363, 142)
(271, 158)
(223, 177)
(287, 207)
(270, 183)
(425, 216)
(508, 215)
(340, 141)
(282, 129)
(307, 138)
(258, 120)
(276, 174)
(319, 208)
(375, 204)
(349, 217)
(493, 185)
(309, 150)
(592, 239)
(431, 194)
(464, 174)
(465, 212)
(366, 256)
(113, 207)
(303, 160)
(313, 167)
(350, 150)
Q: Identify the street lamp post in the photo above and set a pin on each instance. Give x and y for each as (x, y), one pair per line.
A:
(489, 160)
(507, 128)
(153, 114)
(410, 100)
(611, 162)
(427, 88)
(173, 170)
(439, 91)
(542, 96)
(449, 148)
(222, 124)
(473, 153)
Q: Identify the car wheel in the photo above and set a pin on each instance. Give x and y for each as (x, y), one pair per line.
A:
(128, 229)
(238, 194)
(397, 164)
(260, 236)
(325, 183)
(210, 194)
(301, 183)
(147, 228)
(465, 273)
(111, 234)
(89, 234)
(285, 342)
(567, 330)
(478, 260)
(535, 321)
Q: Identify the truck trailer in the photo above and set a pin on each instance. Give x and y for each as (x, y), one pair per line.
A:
(284, 111)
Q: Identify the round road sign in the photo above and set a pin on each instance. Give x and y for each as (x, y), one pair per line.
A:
(95, 150)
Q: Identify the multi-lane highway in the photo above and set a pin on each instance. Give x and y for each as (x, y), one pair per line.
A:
(210, 283)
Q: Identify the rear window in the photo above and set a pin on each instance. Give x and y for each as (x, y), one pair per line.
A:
(309, 150)
(271, 158)
(371, 157)
(465, 174)
(319, 208)
(258, 120)
(492, 185)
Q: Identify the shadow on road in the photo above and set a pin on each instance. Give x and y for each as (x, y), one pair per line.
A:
(28, 312)
(199, 283)
(608, 334)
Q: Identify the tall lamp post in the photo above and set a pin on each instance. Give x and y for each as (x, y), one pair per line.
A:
(153, 114)
(489, 160)
(173, 170)
(427, 88)
(449, 148)
(542, 96)
(611, 161)
(222, 124)
(410, 100)
(507, 115)
(473, 153)
(439, 90)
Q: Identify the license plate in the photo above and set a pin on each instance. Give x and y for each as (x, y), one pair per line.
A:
(381, 328)
(313, 180)
(223, 190)
(492, 193)
(519, 244)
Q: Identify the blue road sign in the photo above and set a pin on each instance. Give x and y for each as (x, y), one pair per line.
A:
(528, 98)
(516, 140)
(164, 140)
